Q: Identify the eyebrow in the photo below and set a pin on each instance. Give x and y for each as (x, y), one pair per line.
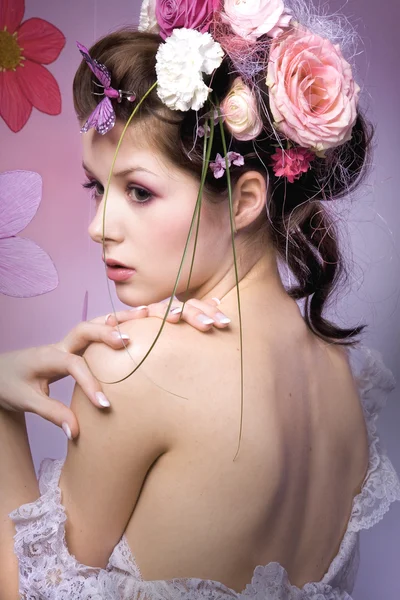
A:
(123, 173)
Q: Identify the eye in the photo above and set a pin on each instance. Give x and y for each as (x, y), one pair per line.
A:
(91, 185)
(142, 195)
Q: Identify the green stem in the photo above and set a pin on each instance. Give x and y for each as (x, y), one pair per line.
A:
(200, 196)
(228, 177)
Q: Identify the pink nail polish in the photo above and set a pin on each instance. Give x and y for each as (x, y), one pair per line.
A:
(102, 400)
(67, 430)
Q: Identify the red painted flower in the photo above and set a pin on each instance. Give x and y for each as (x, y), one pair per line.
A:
(24, 49)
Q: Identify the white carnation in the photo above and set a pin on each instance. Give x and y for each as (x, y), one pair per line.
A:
(147, 19)
(181, 61)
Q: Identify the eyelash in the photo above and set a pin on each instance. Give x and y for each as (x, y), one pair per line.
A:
(91, 185)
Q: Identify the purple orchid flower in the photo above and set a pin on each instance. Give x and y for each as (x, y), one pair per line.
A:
(219, 166)
(25, 269)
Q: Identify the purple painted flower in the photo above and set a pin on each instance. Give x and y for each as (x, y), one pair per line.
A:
(25, 269)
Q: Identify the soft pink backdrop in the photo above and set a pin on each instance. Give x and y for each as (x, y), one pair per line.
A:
(51, 146)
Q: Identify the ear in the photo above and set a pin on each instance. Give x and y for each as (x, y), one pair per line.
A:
(249, 198)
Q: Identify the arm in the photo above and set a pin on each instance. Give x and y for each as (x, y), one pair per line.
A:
(104, 470)
(18, 486)
(106, 466)
(22, 387)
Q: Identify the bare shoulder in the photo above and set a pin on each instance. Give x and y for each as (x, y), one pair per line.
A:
(175, 353)
(157, 373)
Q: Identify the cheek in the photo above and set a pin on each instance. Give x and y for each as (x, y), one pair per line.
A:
(170, 223)
(165, 232)
(175, 230)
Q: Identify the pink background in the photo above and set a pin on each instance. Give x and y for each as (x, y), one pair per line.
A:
(51, 146)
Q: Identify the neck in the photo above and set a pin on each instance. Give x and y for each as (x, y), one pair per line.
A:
(259, 280)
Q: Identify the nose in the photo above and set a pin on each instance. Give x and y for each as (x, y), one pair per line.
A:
(113, 225)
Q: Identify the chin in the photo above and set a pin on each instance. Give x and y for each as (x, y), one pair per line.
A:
(133, 298)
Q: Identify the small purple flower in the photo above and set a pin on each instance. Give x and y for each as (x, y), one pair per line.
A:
(219, 166)
(236, 159)
(201, 130)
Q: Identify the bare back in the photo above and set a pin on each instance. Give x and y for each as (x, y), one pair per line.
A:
(303, 457)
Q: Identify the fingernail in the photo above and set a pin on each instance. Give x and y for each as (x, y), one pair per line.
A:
(67, 430)
(102, 400)
(120, 336)
(176, 311)
(216, 300)
(107, 317)
(205, 320)
(138, 307)
(221, 318)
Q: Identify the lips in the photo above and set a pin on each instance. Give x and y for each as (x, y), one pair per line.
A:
(110, 262)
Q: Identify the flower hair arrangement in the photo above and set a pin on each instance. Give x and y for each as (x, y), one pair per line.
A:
(312, 97)
(312, 100)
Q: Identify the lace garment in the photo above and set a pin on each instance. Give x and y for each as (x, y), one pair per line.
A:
(49, 572)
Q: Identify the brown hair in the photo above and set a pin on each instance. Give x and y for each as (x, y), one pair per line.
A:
(301, 228)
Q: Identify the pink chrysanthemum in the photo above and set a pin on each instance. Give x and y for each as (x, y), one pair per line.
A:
(291, 163)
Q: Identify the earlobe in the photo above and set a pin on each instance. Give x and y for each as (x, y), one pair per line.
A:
(250, 198)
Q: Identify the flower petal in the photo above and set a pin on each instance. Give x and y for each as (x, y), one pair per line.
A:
(25, 269)
(20, 196)
(15, 108)
(41, 41)
(40, 87)
(11, 14)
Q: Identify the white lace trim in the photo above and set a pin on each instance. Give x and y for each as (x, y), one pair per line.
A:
(381, 484)
(49, 572)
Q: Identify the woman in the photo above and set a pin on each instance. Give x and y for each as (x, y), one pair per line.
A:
(155, 498)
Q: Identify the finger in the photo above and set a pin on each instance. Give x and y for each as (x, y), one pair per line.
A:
(83, 334)
(52, 360)
(201, 315)
(213, 301)
(120, 316)
(210, 308)
(137, 312)
(56, 412)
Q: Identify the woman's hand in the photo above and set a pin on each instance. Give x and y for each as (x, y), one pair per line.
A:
(25, 375)
(201, 314)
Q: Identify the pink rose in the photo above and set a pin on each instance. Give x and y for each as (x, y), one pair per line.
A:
(250, 19)
(312, 94)
(240, 112)
(191, 14)
(291, 163)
